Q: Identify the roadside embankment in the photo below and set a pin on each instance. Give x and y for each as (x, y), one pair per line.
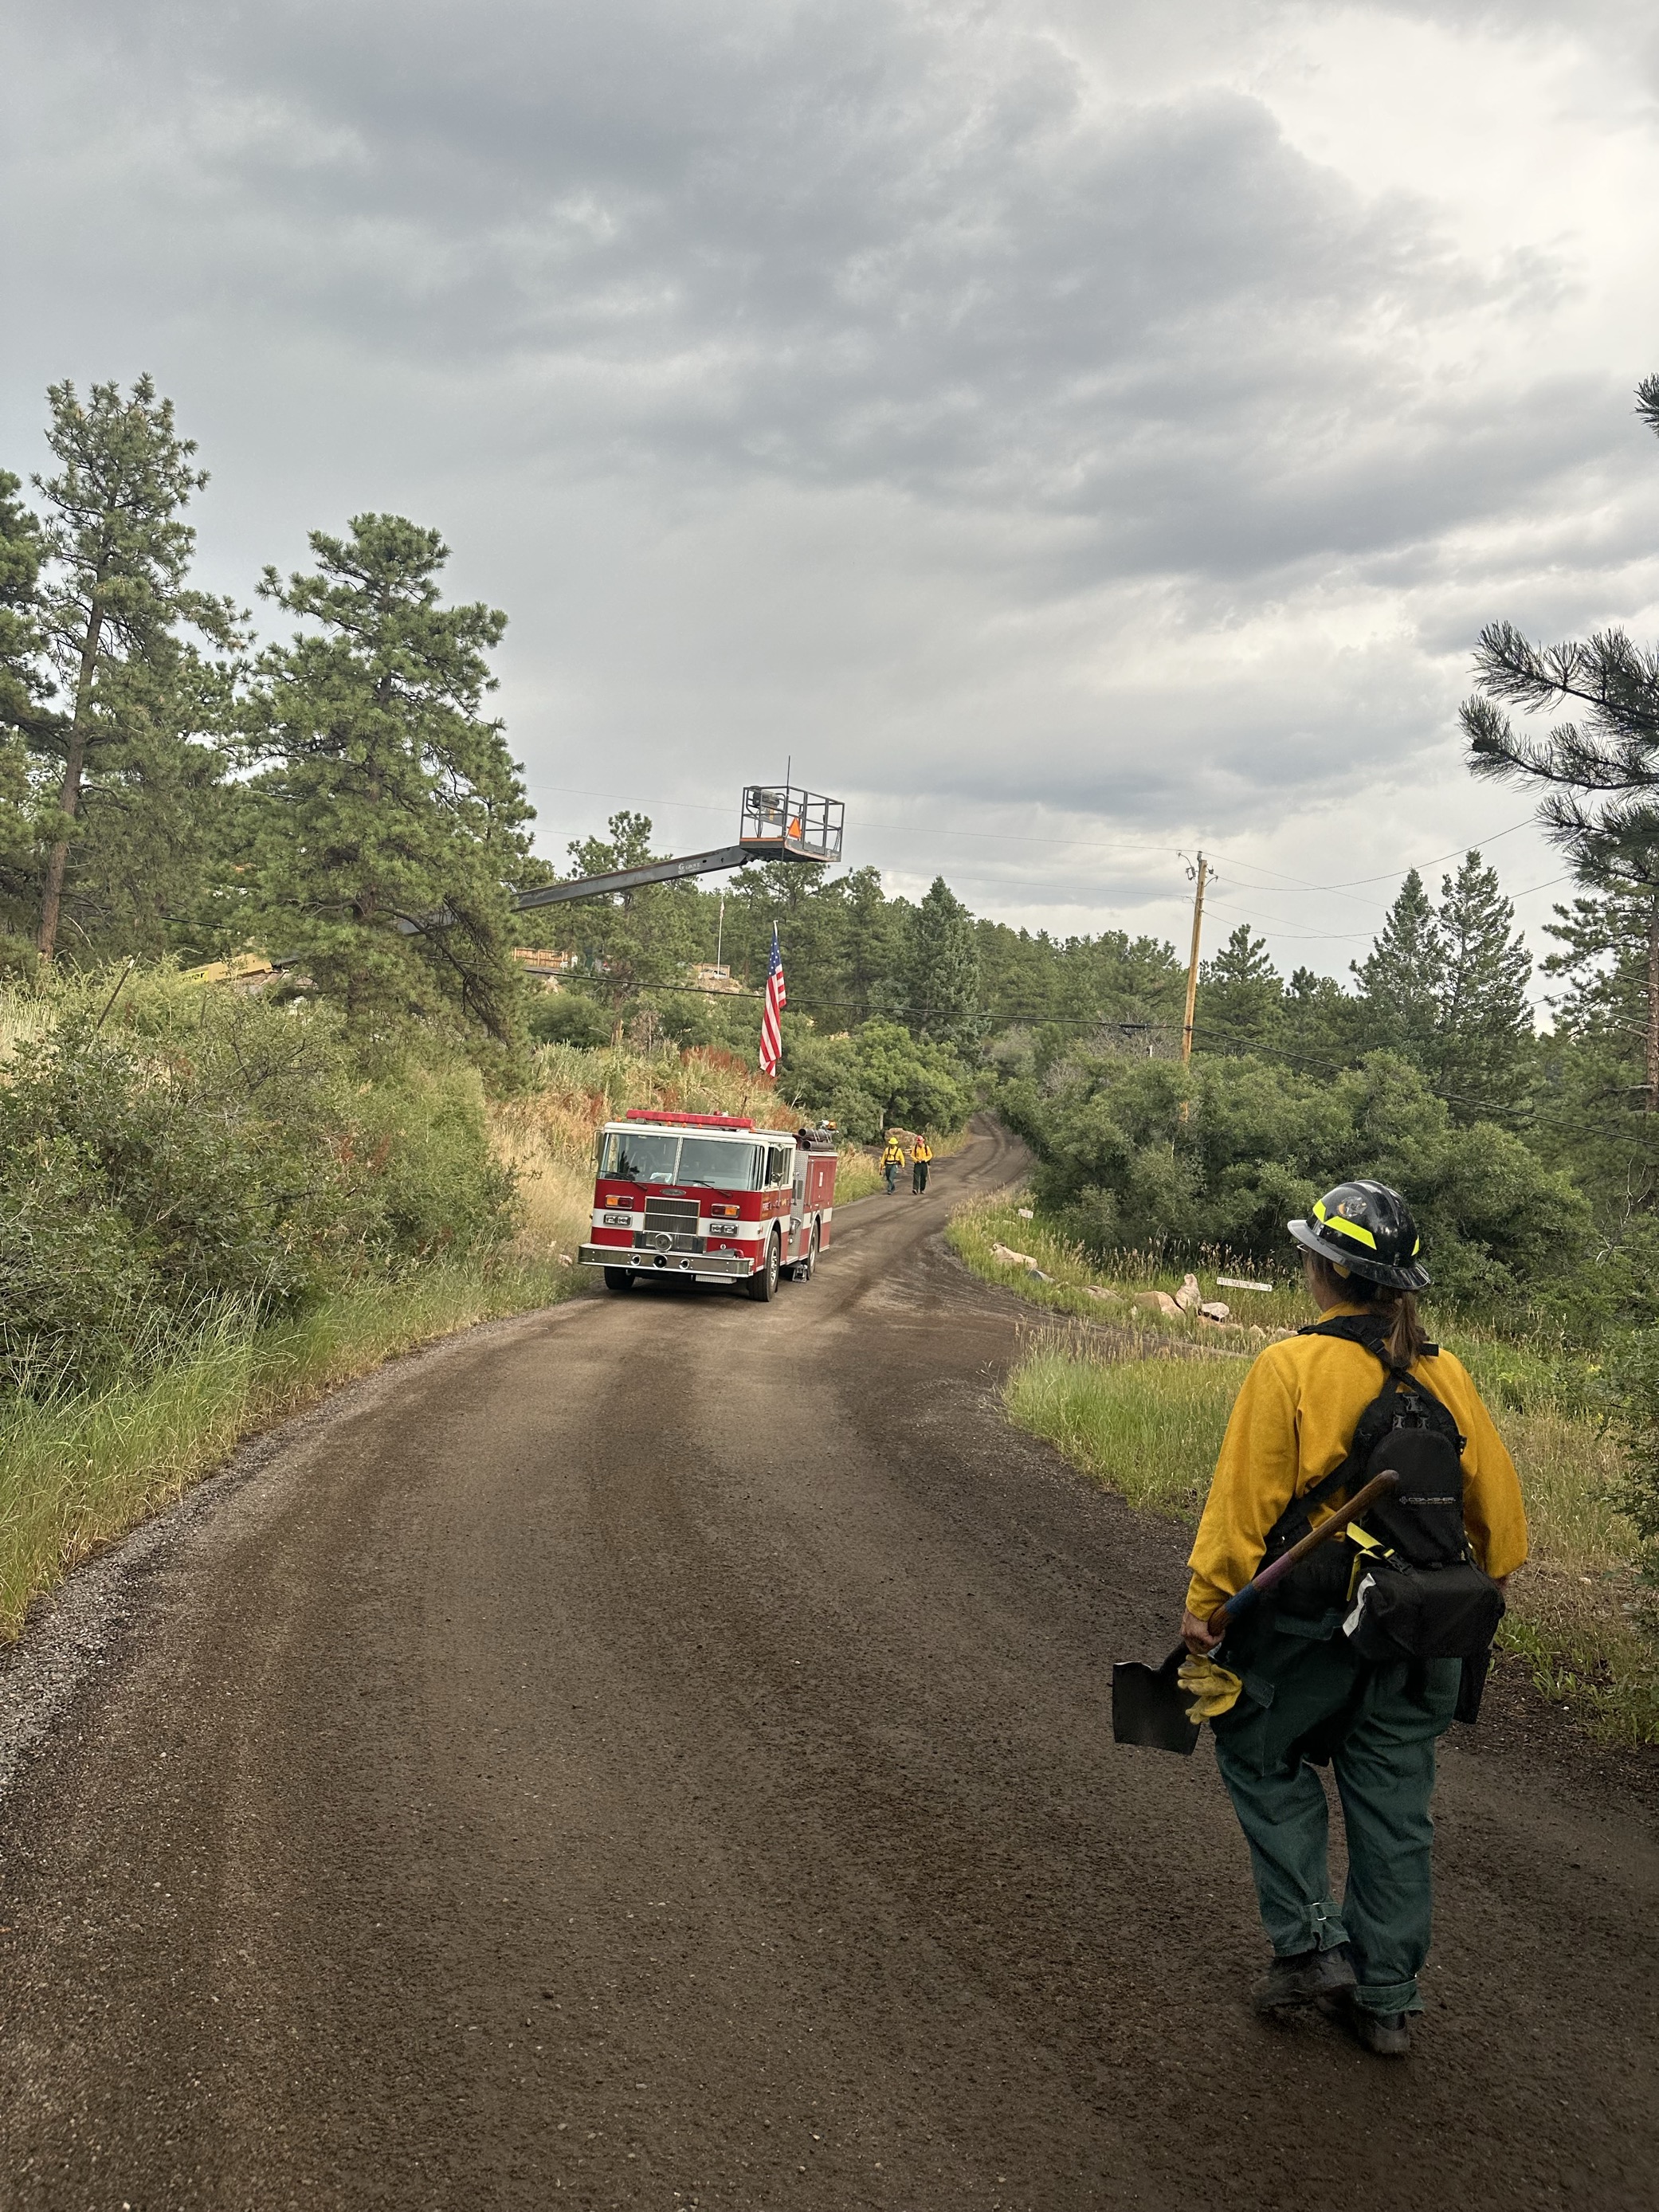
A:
(1134, 1401)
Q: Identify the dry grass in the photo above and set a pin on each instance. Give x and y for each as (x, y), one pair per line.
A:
(553, 1191)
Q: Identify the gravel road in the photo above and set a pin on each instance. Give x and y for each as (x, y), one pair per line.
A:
(655, 1754)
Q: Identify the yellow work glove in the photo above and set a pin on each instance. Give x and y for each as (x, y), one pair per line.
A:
(1212, 1689)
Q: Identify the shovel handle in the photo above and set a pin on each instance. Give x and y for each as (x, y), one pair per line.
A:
(1259, 1585)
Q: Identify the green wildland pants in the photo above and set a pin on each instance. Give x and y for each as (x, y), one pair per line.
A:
(1306, 1697)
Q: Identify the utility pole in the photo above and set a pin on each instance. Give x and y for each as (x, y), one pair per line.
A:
(1191, 964)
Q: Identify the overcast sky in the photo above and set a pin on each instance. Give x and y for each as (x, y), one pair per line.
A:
(1075, 433)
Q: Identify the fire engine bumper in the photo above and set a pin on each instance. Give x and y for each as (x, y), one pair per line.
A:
(709, 1267)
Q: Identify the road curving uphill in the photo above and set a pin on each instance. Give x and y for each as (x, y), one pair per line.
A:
(655, 1754)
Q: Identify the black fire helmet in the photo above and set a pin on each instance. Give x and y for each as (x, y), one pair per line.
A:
(1366, 1228)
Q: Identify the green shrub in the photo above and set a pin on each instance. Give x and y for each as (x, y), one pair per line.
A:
(568, 1018)
(432, 1181)
(201, 1152)
(1151, 1154)
(878, 1076)
(73, 1285)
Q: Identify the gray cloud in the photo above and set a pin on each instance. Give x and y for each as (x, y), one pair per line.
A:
(986, 412)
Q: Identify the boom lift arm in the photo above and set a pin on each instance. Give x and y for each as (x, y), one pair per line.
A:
(780, 822)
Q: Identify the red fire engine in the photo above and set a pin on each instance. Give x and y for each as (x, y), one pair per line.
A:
(711, 1197)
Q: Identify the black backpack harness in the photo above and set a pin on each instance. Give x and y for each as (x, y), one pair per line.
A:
(1415, 1592)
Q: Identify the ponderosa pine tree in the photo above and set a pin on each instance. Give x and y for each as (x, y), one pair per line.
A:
(944, 981)
(1239, 997)
(877, 944)
(1484, 1029)
(1399, 978)
(114, 604)
(25, 688)
(1321, 1026)
(24, 682)
(1609, 963)
(1600, 772)
(391, 816)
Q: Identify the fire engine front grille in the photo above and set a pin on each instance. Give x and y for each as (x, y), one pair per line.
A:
(677, 1215)
(675, 1218)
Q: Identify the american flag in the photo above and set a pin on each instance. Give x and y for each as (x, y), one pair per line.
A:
(771, 1013)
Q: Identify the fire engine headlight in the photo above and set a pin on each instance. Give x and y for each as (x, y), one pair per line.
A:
(618, 1220)
(723, 1214)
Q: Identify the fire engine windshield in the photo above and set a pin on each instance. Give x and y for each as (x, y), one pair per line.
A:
(663, 1156)
(719, 1162)
(640, 1155)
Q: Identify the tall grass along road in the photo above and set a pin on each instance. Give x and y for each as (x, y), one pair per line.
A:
(655, 1753)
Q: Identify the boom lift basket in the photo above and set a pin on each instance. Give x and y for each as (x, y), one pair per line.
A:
(782, 821)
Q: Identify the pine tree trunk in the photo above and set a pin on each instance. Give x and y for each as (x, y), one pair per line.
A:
(1651, 1096)
(69, 796)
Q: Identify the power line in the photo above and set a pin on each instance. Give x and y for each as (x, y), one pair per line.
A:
(1298, 936)
(1474, 845)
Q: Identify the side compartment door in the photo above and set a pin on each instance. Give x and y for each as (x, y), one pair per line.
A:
(798, 1229)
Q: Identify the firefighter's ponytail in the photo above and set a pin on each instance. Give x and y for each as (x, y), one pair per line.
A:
(1403, 1345)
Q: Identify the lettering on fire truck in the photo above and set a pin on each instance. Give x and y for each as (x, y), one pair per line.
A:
(712, 1198)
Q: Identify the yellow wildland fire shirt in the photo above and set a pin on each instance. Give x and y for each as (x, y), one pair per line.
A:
(1291, 1426)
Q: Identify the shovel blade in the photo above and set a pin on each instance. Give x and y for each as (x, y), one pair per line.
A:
(1150, 1707)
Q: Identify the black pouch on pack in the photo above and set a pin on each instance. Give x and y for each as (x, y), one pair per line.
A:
(1403, 1612)
(1315, 1585)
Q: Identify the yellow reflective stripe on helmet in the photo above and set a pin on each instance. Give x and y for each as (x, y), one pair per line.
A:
(1343, 1228)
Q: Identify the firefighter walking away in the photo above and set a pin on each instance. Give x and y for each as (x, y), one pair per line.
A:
(892, 1159)
(1371, 1646)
